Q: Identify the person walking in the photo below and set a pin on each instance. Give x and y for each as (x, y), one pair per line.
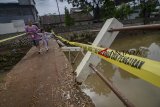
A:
(45, 38)
(32, 31)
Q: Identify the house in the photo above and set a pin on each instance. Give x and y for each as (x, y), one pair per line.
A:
(79, 17)
(55, 20)
(14, 15)
(21, 10)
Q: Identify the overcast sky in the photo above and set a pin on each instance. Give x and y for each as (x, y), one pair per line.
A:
(46, 6)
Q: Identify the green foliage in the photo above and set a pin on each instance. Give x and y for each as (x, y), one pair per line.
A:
(104, 8)
(123, 11)
(69, 21)
(88, 5)
(147, 8)
(108, 9)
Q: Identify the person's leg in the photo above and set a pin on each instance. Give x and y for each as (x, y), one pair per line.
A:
(46, 44)
(38, 46)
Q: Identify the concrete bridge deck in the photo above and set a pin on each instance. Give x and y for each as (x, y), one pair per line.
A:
(42, 80)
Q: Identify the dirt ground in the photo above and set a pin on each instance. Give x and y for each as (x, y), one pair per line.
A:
(42, 80)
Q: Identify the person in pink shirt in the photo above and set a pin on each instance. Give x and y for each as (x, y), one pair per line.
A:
(32, 31)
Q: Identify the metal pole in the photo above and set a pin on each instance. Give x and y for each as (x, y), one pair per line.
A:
(140, 27)
(59, 12)
(112, 87)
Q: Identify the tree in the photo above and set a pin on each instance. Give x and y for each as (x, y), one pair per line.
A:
(108, 9)
(104, 8)
(88, 5)
(69, 21)
(123, 11)
(146, 8)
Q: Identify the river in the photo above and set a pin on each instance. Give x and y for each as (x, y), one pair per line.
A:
(137, 91)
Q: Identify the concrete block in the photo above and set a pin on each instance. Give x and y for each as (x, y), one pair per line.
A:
(104, 39)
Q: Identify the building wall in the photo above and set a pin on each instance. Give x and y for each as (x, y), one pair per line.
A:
(26, 2)
(15, 26)
(9, 11)
(6, 28)
(7, 19)
(15, 13)
(19, 25)
(32, 2)
(35, 15)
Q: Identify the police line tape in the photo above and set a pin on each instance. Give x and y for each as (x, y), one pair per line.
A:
(4, 40)
(143, 68)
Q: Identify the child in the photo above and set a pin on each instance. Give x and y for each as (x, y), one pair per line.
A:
(45, 38)
(32, 31)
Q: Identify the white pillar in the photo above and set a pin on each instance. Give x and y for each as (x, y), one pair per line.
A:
(104, 39)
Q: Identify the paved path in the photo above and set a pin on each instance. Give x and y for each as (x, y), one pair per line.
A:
(39, 80)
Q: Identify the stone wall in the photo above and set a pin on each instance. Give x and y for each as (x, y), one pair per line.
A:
(63, 29)
(22, 41)
(12, 51)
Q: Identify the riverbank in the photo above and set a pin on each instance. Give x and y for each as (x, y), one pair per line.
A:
(11, 52)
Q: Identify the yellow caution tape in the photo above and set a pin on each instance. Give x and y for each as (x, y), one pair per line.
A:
(143, 68)
(12, 38)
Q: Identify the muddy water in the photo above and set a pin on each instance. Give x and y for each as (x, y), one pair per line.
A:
(139, 92)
